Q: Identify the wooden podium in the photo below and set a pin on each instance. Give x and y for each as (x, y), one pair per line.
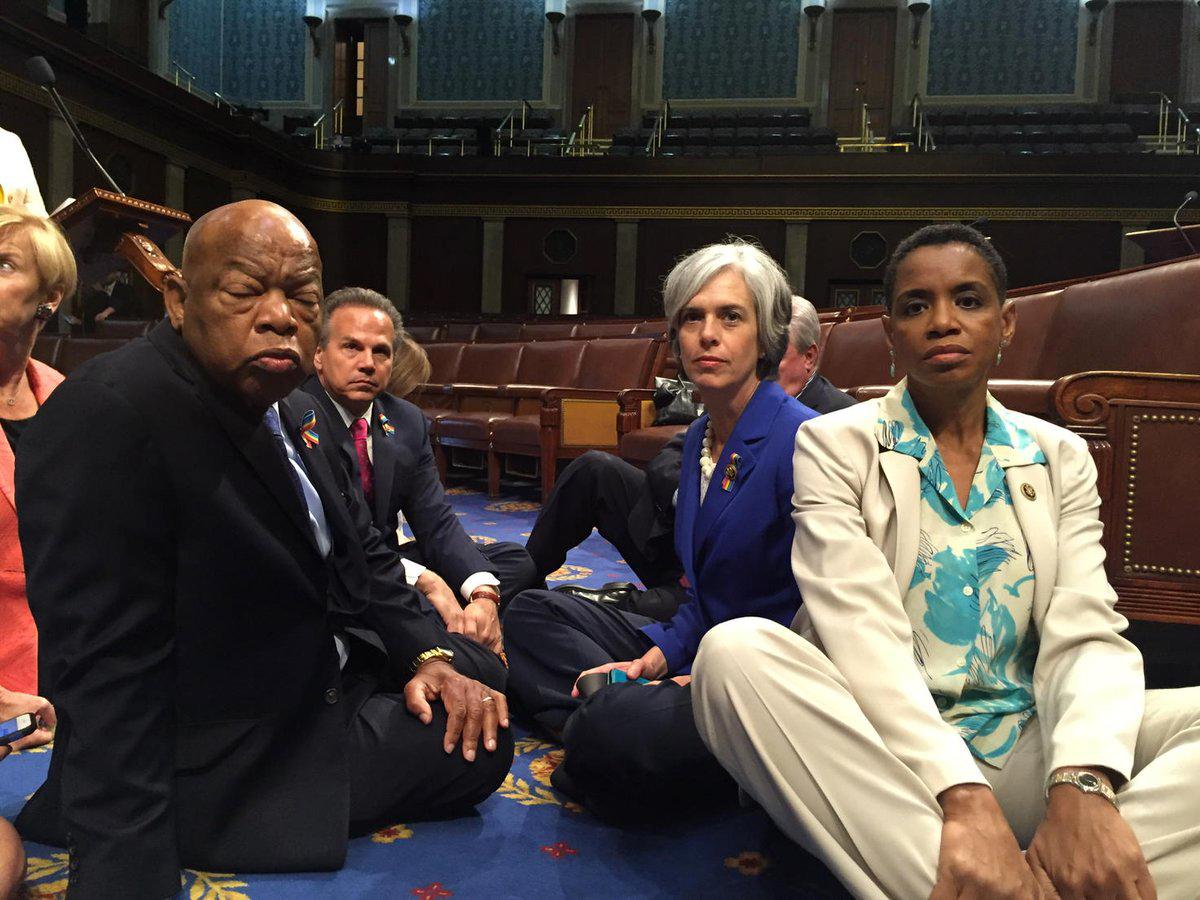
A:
(1163, 244)
(107, 230)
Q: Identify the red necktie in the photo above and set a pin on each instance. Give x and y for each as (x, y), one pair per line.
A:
(365, 473)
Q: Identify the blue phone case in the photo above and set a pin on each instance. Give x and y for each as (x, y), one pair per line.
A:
(617, 676)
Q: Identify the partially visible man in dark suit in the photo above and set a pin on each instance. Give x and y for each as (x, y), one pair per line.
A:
(635, 510)
(382, 442)
(242, 678)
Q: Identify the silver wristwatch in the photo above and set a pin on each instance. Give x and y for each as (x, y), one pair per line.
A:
(1084, 781)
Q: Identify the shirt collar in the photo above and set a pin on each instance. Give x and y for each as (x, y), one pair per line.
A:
(348, 418)
(900, 428)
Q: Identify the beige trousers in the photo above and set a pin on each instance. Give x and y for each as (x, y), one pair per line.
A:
(781, 719)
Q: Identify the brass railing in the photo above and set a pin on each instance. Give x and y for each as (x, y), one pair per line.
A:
(186, 80)
(1176, 132)
(920, 125)
(583, 140)
(654, 144)
(865, 141)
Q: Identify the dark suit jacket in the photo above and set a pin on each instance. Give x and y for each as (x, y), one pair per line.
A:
(186, 623)
(736, 546)
(822, 397)
(406, 480)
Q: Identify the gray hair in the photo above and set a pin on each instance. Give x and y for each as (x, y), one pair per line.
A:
(805, 329)
(361, 296)
(765, 280)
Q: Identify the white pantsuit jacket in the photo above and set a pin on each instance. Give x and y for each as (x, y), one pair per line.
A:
(857, 514)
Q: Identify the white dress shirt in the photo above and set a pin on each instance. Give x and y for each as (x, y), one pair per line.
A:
(412, 570)
(18, 186)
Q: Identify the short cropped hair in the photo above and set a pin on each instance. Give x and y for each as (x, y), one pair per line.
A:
(764, 278)
(805, 329)
(410, 368)
(52, 254)
(938, 235)
(361, 296)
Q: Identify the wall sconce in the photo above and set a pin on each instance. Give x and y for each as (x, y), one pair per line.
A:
(314, 17)
(814, 9)
(406, 11)
(1094, 8)
(652, 11)
(556, 11)
(917, 8)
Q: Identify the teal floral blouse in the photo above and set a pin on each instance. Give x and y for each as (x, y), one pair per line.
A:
(971, 595)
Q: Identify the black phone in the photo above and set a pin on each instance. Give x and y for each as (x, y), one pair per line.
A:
(15, 729)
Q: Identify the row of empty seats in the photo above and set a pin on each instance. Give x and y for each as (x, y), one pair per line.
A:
(491, 332)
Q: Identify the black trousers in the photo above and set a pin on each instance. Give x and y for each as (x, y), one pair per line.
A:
(600, 491)
(399, 771)
(633, 751)
(514, 568)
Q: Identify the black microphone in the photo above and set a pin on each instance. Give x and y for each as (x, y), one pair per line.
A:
(1191, 197)
(42, 75)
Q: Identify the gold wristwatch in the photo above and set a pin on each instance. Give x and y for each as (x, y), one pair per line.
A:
(437, 653)
(1085, 781)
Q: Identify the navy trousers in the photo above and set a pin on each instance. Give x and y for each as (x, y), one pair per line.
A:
(632, 751)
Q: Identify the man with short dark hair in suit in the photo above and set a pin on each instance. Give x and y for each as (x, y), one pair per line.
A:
(382, 442)
(634, 510)
(242, 678)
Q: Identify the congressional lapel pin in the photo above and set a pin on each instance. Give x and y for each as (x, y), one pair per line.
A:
(731, 471)
(1028, 491)
(388, 428)
(308, 429)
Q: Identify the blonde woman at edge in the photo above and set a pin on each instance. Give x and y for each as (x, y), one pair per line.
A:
(955, 688)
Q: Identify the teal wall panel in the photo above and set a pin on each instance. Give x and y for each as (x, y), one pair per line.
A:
(1010, 47)
(480, 50)
(721, 49)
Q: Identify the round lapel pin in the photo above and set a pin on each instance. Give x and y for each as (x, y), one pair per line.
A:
(1028, 491)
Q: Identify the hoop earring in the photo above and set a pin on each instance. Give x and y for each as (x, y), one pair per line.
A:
(44, 312)
(892, 363)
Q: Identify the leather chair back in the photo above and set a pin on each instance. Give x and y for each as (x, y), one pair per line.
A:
(423, 334)
(444, 360)
(498, 331)
(553, 363)
(46, 348)
(1034, 314)
(460, 331)
(547, 331)
(489, 363)
(604, 329)
(76, 351)
(618, 363)
(856, 353)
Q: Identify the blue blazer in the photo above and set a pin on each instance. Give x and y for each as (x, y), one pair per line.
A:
(736, 547)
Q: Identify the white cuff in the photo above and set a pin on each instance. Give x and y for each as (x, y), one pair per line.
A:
(412, 570)
(479, 579)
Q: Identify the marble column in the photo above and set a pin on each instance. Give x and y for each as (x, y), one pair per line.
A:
(493, 266)
(399, 254)
(625, 280)
(795, 254)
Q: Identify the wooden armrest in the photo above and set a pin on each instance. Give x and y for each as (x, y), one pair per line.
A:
(526, 391)
(570, 393)
(473, 390)
(632, 398)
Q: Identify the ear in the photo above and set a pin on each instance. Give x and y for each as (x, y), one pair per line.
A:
(319, 360)
(1008, 322)
(811, 355)
(175, 293)
(887, 329)
(53, 298)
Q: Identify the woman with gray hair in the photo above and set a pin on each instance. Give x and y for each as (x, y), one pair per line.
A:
(632, 749)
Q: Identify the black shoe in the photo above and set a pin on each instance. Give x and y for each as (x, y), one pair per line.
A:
(620, 594)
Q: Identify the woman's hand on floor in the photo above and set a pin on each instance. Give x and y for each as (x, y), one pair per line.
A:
(1083, 848)
(979, 856)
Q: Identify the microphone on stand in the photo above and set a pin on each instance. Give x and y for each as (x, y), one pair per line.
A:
(42, 75)
(1191, 197)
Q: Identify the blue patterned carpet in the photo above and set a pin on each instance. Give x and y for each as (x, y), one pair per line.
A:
(526, 840)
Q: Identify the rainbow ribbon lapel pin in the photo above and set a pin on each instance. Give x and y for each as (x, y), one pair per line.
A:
(388, 428)
(308, 429)
(731, 471)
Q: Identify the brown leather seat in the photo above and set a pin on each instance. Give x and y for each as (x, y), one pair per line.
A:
(642, 445)
(423, 334)
(489, 363)
(618, 363)
(1141, 321)
(655, 328)
(460, 331)
(444, 360)
(46, 348)
(856, 353)
(604, 329)
(1034, 314)
(498, 331)
(547, 331)
(76, 351)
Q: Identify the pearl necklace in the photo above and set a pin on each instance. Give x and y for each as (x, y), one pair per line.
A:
(707, 465)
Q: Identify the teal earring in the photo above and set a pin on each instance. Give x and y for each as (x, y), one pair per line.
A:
(892, 363)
